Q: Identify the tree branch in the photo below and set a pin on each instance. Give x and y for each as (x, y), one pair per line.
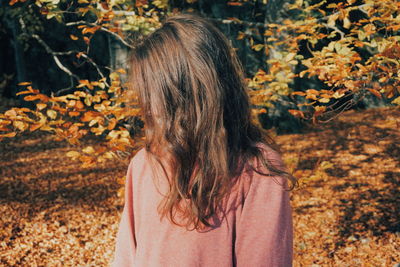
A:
(336, 29)
(55, 57)
(96, 66)
(82, 22)
(61, 66)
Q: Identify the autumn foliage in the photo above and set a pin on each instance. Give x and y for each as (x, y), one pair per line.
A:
(351, 49)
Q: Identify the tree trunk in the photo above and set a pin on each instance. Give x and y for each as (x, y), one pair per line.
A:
(118, 54)
(18, 56)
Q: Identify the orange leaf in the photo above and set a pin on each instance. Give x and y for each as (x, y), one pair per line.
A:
(112, 124)
(312, 91)
(90, 30)
(31, 97)
(299, 93)
(12, 2)
(87, 160)
(43, 97)
(90, 115)
(105, 5)
(74, 113)
(86, 39)
(71, 103)
(11, 113)
(24, 83)
(319, 110)
(12, 134)
(23, 92)
(60, 109)
(230, 3)
(34, 127)
(67, 124)
(296, 113)
(79, 105)
(73, 37)
(375, 93)
(122, 71)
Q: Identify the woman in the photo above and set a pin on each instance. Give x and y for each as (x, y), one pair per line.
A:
(209, 187)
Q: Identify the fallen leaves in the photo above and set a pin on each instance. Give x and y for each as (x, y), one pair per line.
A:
(345, 211)
(57, 213)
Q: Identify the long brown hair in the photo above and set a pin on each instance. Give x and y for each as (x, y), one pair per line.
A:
(191, 88)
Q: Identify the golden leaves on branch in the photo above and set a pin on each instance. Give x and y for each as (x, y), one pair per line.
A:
(100, 111)
(359, 56)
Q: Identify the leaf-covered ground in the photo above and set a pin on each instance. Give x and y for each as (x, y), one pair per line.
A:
(346, 212)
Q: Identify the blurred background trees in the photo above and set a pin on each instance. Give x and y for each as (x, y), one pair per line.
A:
(306, 60)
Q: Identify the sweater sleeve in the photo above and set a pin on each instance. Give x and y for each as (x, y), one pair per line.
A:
(125, 245)
(264, 229)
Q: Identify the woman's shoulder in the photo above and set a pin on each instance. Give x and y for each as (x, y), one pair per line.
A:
(258, 175)
(272, 155)
(139, 158)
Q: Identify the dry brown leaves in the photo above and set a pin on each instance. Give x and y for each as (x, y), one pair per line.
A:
(346, 213)
(56, 213)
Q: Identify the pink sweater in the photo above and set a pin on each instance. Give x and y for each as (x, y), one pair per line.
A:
(256, 231)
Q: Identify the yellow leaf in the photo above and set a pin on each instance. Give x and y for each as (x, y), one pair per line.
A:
(88, 100)
(11, 113)
(257, 47)
(88, 150)
(73, 154)
(396, 101)
(346, 23)
(109, 155)
(337, 95)
(290, 56)
(52, 114)
(113, 134)
(326, 165)
(324, 100)
(332, 20)
(92, 122)
(114, 76)
(40, 106)
(20, 125)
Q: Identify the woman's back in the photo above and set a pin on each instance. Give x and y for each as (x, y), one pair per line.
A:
(254, 229)
(199, 135)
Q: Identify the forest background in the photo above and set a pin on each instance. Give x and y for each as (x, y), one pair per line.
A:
(323, 77)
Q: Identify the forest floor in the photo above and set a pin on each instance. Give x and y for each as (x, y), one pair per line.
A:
(346, 211)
